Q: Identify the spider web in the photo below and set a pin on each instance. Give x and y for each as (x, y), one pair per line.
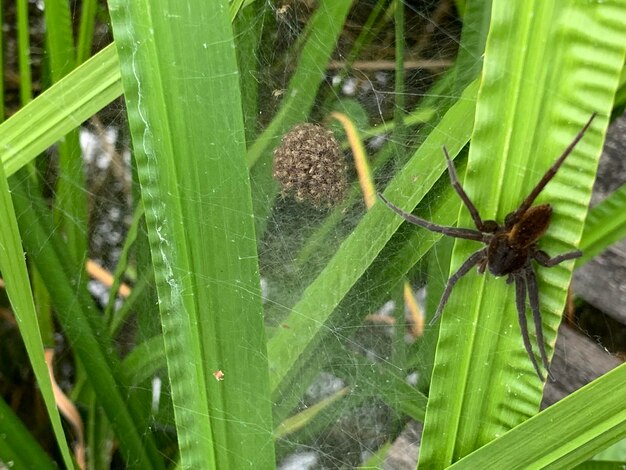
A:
(369, 330)
(297, 239)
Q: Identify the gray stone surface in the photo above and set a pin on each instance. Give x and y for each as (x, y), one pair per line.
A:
(602, 281)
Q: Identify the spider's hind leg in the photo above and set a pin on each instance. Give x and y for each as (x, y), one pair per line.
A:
(469, 263)
(533, 297)
(520, 301)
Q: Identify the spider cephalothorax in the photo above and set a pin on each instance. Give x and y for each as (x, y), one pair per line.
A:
(510, 249)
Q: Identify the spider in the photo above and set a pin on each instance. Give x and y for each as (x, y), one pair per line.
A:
(510, 247)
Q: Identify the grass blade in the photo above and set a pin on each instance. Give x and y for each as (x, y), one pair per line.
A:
(19, 446)
(15, 274)
(605, 224)
(544, 442)
(479, 346)
(61, 108)
(189, 142)
(82, 323)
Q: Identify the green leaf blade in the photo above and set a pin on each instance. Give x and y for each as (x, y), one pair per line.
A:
(594, 417)
(61, 108)
(535, 95)
(606, 224)
(189, 144)
(15, 274)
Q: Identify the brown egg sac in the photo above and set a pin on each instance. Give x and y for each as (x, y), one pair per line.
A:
(309, 165)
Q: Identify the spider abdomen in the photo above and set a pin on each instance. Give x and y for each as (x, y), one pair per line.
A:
(531, 226)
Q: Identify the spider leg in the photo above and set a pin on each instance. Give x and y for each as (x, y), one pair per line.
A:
(482, 265)
(454, 179)
(544, 259)
(520, 302)
(533, 297)
(469, 263)
(455, 232)
(549, 174)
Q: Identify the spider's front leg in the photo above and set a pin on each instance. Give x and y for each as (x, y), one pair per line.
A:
(456, 232)
(469, 263)
(486, 226)
(544, 258)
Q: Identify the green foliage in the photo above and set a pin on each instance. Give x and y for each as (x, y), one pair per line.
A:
(209, 90)
(479, 342)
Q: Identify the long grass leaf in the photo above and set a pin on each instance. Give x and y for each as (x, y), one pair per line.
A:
(595, 418)
(532, 102)
(15, 274)
(23, 51)
(70, 201)
(82, 323)
(189, 143)
(61, 108)
(18, 446)
(605, 224)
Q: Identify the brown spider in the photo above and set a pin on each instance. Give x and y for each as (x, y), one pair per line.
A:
(510, 247)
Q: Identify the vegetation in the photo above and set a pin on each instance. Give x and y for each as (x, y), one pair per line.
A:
(201, 368)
